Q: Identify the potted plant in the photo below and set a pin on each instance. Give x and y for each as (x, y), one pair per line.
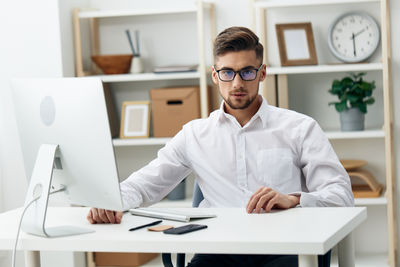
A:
(354, 95)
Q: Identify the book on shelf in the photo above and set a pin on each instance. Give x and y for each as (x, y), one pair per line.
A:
(175, 68)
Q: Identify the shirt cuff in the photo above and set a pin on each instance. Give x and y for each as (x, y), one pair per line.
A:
(129, 201)
(308, 200)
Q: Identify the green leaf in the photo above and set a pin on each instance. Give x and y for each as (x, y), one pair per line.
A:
(363, 107)
(370, 101)
(336, 87)
(355, 88)
(366, 86)
(352, 98)
(340, 106)
(373, 85)
(347, 82)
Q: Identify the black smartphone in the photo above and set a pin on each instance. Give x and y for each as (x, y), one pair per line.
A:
(185, 229)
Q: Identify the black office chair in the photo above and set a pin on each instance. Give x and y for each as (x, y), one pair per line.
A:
(323, 260)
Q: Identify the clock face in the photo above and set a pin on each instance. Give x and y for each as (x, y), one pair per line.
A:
(353, 37)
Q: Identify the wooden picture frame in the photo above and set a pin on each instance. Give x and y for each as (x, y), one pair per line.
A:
(296, 44)
(135, 119)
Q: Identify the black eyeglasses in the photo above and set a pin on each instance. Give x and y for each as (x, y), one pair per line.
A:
(247, 74)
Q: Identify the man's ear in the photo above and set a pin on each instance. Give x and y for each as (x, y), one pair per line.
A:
(263, 72)
(214, 75)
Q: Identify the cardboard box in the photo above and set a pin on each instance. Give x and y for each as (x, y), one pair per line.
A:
(172, 108)
(122, 259)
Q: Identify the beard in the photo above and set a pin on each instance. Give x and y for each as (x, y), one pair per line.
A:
(233, 104)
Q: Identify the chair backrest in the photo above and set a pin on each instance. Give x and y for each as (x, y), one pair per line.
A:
(197, 195)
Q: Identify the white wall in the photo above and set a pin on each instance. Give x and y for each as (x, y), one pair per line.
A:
(30, 47)
(34, 43)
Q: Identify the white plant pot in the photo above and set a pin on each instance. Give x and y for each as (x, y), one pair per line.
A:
(352, 120)
(136, 65)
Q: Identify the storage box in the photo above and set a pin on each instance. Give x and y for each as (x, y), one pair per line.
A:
(122, 259)
(172, 108)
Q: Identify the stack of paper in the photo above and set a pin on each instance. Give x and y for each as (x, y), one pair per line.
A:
(175, 68)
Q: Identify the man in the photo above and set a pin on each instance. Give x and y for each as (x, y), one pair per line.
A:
(246, 154)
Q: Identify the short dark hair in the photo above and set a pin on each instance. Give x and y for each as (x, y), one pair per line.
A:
(235, 39)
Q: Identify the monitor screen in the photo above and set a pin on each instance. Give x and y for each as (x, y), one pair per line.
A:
(70, 113)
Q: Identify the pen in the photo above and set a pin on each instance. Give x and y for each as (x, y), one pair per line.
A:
(145, 225)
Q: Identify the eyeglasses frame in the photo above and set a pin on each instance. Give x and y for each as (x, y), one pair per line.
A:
(238, 72)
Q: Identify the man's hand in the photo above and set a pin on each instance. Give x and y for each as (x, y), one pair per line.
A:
(104, 216)
(267, 198)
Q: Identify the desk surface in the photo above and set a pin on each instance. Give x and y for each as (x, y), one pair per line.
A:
(293, 231)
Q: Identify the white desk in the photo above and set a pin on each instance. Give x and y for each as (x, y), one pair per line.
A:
(303, 231)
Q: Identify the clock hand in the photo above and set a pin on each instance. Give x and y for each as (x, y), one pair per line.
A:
(354, 44)
(358, 33)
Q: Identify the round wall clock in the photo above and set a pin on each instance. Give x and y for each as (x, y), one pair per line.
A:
(353, 37)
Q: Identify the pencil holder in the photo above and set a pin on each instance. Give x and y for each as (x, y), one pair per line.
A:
(136, 65)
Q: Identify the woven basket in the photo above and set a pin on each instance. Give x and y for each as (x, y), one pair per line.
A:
(113, 64)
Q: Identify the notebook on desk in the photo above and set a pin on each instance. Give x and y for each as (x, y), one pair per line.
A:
(167, 214)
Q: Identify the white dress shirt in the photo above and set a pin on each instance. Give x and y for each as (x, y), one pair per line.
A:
(278, 148)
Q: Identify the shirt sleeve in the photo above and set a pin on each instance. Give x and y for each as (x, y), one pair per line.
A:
(152, 182)
(326, 179)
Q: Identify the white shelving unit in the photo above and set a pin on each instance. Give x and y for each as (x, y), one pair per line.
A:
(112, 18)
(148, 77)
(140, 141)
(94, 15)
(146, 146)
(324, 68)
(355, 135)
(136, 12)
(363, 202)
(332, 135)
(292, 3)
(268, 12)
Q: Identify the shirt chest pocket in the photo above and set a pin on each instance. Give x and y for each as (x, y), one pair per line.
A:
(275, 166)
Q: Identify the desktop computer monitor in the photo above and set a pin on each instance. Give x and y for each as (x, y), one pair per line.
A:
(66, 143)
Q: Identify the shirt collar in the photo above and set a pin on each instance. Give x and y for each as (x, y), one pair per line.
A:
(262, 112)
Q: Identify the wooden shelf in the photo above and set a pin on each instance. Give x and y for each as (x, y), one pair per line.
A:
(325, 68)
(379, 201)
(290, 3)
(140, 141)
(133, 12)
(355, 134)
(148, 77)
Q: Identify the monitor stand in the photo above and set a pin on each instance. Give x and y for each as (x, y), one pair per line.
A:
(39, 187)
